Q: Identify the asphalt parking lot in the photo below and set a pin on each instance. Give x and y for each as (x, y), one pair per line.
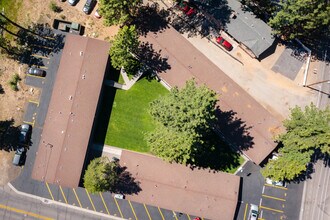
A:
(274, 202)
(44, 58)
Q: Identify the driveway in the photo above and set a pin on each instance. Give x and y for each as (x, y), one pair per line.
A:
(243, 121)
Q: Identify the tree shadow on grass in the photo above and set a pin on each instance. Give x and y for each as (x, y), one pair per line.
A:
(126, 184)
(151, 18)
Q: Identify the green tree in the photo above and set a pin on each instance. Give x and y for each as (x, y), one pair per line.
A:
(262, 8)
(306, 131)
(124, 45)
(184, 117)
(101, 175)
(118, 11)
(301, 18)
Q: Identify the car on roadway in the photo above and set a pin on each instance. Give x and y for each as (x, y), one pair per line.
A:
(254, 211)
(17, 160)
(24, 133)
(220, 40)
(89, 6)
(36, 72)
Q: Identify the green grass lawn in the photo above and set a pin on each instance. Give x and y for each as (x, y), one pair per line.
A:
(233, 169)
(130, 119)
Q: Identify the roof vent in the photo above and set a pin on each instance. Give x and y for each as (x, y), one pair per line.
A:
(83, 76)
(70, 97)
(81, 53)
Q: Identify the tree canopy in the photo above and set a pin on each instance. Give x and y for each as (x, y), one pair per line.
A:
(306, 131)
(118, 11)
(124, 45)
(101, 175)
(301, 18)
(183, 118)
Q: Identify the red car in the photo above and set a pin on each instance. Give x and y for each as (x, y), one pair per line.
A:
(224, 43)
(187, 9)
(197, 218)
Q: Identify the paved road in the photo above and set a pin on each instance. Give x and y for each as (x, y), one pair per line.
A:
(316, 203)
(14, 206)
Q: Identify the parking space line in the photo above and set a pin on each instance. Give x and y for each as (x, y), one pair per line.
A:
(30, 123)
(50, 192)
(43, 67)
(246, 205)
(270, 209)
(174, 215)
(188, 216)
(66, 201)
(105, 205)
(121, 214)
(147, 211)
(272, 197)
(75, 193)
(39, 56)
(35, 76)
(132, 209)
(35, 102)
(161, 213)
(90, 199)
(278, 187)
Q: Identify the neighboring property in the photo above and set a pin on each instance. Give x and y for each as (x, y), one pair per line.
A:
(68, 126)
(254, 35)
(199, 192)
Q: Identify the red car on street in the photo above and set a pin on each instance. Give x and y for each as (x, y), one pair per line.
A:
(220, 40)
(186, 8)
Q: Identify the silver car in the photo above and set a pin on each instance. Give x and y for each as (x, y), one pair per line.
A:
(254, 211)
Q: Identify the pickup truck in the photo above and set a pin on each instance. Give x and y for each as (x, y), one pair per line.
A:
(67, 26)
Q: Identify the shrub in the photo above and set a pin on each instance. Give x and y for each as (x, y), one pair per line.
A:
(53, 6)
(13, 82)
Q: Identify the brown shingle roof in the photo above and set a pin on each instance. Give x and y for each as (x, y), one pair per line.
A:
(71, 112)
(176, 187)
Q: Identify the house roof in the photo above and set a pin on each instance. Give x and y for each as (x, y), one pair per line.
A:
(249, 30)
(67, 128)
(198, 192)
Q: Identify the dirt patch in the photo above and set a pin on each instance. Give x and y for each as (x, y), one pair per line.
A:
(8, 171)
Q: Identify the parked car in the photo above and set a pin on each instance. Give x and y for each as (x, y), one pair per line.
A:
(89, 6)
(72, 2)
(119, 196)
(97, 14)
(24, 133)
(220, 40)
(275, 183)
(197, 218)
(36, 71)
(189, 10)
(17, 160)
(254, 211)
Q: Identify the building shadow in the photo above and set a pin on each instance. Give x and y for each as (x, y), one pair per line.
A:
(239, 198)
(234, 130)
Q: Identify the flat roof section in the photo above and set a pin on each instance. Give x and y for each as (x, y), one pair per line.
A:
(198, 192)
(67, 129)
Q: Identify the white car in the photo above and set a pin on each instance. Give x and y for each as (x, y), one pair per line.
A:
(275, 183)
(254, 211)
